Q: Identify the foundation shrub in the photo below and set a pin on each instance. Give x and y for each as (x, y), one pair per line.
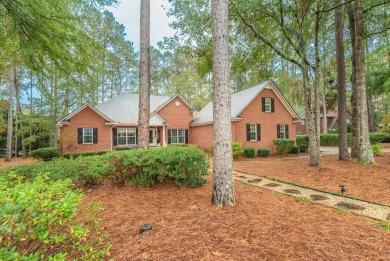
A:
(378, 137)
(333, 139)
(263, 152)
(44, 220)
(45, 153)
(302, 140)
(249, 152)
(85, 154)
(294, 149)
(303, 148)
(237, 150)
(283, 145)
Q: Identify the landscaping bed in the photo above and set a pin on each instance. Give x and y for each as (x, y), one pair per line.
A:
(365, 182)
(264, 225)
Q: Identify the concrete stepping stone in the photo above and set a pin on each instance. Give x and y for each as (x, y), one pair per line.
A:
(318, 197)
(292, 191)
(272, 185)
(254, 181)
(349, 206)
(243, 177)
(388, 217)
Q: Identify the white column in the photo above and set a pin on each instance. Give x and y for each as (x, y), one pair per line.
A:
(164, 143)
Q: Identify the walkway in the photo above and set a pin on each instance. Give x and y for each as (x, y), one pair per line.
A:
(361, 207)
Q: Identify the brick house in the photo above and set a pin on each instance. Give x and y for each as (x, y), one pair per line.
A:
(332, 116)
(259, 115)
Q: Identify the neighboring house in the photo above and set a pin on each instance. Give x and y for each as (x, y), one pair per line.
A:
(332, 123)
(113, 123)
(258, 115)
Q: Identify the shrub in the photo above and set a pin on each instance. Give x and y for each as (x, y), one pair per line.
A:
(302, 139)
(237, 150)
(45, 153)
(294, 149)
(283, 145)
(186, 165)
(303, 148)
(249, 152)
(44, 220)
(377, 149)
(84, 154)
(378, 137)
(263, 152)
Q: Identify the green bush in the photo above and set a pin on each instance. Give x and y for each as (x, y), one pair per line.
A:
(377, 149)
(302, 139)
(283, 145)
(237, 150)
(85, 154)
(45, 153)
(333, 139)
(44, 220)
(186, 165)
(249, 152)
(294, 149)
(303, 148)
(263, 152)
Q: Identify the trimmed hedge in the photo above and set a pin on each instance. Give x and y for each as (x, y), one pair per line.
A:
(263, 152)
(283, 145)
(185, 165)
(333, 139)
(249, 152)
(45, 153)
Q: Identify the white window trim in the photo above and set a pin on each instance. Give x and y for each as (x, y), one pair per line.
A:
(126, 137)
(250, 131)
(284, 131)
(267, 101)
(177, 136)
(88, 135)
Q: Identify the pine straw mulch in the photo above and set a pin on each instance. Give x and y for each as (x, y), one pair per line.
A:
(264, 225)
(365, 182)
(17, 161)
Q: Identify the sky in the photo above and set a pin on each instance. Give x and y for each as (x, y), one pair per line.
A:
(128, 13)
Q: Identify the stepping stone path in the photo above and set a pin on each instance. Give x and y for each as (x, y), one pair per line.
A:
(318, 197)
(369, 209)
(292, 191)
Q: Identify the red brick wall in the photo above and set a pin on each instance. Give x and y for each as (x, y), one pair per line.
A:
(203, 135)
(178, 117)
(87, 118)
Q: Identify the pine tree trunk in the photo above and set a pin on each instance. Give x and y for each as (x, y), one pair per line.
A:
(324, 110)
(341, 97)
(54, 126)
(19, 113)
(355, 122)
(144, 77)
(16, 143)
(31, 109)
(10, 117)
(365, 151)
(223, 184)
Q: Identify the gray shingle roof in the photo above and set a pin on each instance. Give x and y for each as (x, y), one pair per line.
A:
(239, 101)
(124, 107)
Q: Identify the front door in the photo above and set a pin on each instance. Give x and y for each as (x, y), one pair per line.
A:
(153, 137)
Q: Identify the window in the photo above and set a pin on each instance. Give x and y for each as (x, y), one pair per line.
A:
(253, 132)
(282, 131)
(177, 136)
(268, 104)
(126, 137)
(252, 135)
(87, 135)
